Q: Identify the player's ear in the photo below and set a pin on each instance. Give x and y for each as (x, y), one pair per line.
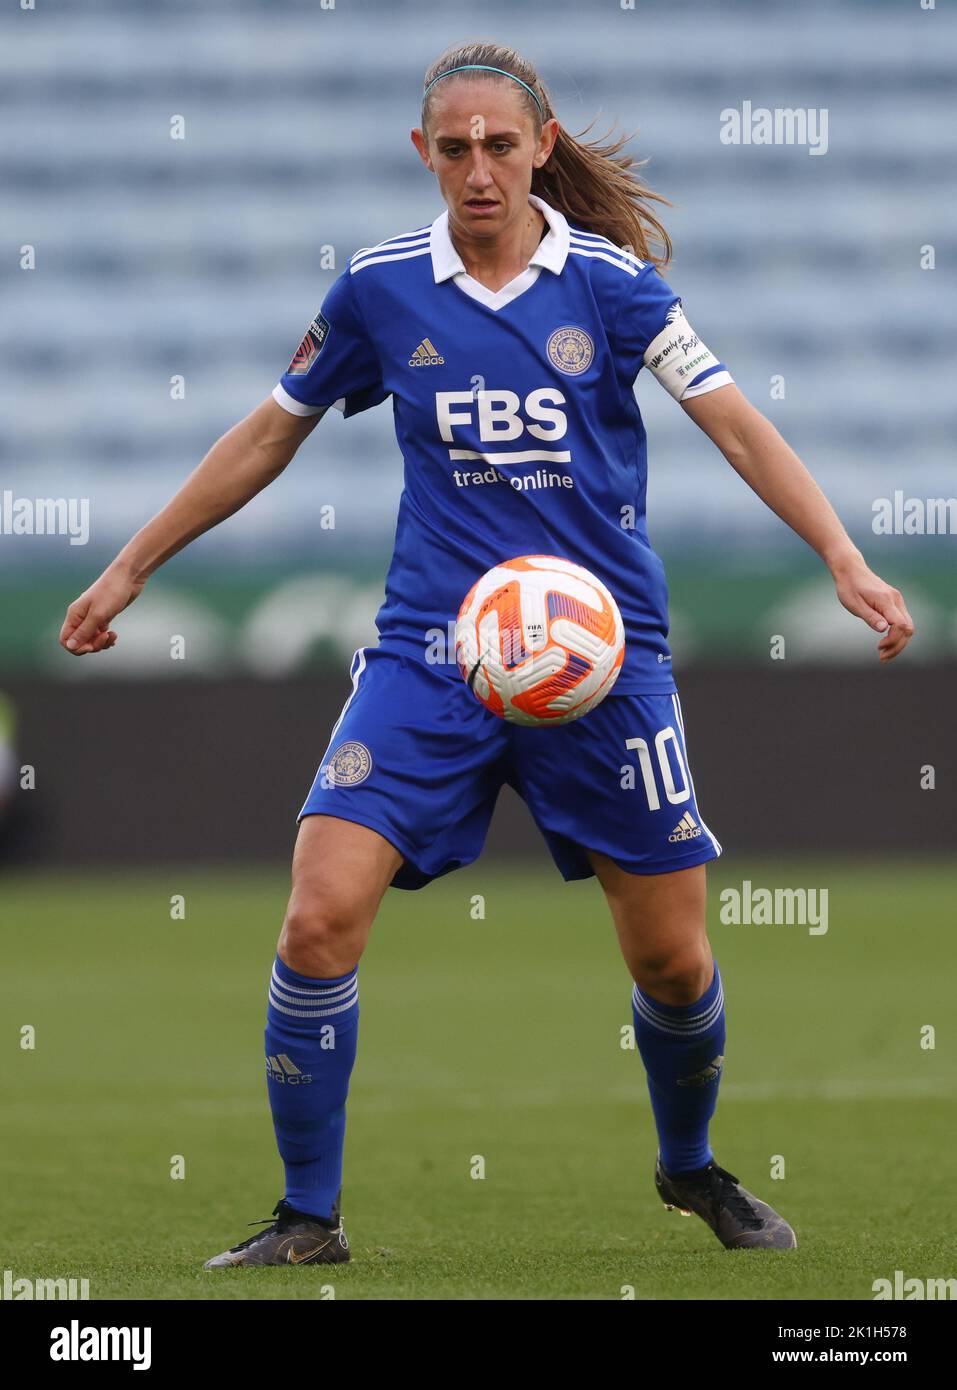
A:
(418, 139)
(546, 142)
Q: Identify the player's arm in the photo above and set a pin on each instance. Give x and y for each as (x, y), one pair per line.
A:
(238, 466)
(756, 451)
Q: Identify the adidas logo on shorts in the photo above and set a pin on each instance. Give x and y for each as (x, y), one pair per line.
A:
(686, 829)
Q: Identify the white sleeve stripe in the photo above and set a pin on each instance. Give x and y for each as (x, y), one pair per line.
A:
(710, 383)
(399, 242)
(282, 397)
(574, 250)
(356, 266)
(596, 242)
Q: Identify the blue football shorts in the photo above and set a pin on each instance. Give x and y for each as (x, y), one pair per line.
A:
(416, 757)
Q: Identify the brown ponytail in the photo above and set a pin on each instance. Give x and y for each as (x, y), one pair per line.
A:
(589, 182)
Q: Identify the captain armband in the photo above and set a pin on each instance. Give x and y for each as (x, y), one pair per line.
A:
(683, 364)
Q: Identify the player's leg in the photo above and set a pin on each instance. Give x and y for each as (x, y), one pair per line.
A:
(404, 794)
(661, 927)
(678, 1008)
(340, 873)
(613, 795)
(677, 1000)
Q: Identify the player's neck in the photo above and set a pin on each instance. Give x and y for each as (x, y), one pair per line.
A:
(495, 263)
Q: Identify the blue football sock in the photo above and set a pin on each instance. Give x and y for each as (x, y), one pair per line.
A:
(682, 1048)
(311, 1031)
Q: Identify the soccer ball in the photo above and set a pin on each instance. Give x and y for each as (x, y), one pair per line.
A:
(539, 640)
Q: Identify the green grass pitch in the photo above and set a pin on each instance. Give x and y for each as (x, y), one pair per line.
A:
(497, 1036)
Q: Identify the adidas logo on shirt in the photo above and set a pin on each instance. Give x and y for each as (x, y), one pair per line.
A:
(686, 829)
(425, 355)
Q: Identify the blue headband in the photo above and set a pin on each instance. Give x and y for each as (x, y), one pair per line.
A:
(485, 68)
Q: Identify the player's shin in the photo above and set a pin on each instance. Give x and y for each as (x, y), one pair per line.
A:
(311, 1034)
(683, 1051)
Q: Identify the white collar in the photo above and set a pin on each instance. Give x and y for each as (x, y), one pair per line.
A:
(551, 252)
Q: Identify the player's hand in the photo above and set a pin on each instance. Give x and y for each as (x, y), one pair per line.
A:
(86, 627)
(865, 594)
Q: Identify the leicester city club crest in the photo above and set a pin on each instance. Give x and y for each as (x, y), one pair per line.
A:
(349, 764)
(570, 350)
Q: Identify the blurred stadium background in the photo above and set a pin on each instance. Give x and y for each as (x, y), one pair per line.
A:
(203, 259)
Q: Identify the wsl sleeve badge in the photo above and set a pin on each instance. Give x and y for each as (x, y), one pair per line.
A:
(310, 347)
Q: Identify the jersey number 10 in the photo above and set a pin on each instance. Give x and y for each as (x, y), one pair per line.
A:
(674, 794)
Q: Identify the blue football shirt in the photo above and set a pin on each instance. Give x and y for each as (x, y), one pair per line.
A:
(516, 417)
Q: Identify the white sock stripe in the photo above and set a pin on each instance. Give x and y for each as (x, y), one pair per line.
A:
(679, 1029)
(341, 1001)
(328, 995)
(651, 1009)
(697, 1023)
(313, 1013)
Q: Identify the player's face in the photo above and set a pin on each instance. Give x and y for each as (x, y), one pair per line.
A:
(483, 150)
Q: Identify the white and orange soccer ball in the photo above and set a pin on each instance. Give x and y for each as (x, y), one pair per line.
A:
(539, 640)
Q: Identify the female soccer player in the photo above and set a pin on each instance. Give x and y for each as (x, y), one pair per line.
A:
(509, 333)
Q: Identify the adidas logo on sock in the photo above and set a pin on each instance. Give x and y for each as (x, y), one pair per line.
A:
(686, 829)
(281, 1069)
(426, 355)
(706, 1074)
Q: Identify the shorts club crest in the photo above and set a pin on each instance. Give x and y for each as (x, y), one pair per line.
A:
(350, 764)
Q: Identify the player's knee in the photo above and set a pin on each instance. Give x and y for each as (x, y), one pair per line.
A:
(323, 931)
(677, 976)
